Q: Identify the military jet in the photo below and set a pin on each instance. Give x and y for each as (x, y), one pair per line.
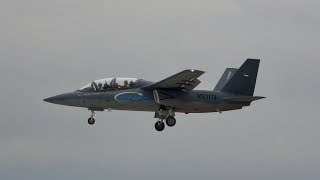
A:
(172, 95)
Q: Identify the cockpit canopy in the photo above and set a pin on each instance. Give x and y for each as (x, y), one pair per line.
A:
(110, 84)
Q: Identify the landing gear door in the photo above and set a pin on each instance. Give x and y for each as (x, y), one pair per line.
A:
(156, 96)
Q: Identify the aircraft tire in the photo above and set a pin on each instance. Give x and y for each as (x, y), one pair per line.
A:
(170, 121)
(91, 121)
(159, 126)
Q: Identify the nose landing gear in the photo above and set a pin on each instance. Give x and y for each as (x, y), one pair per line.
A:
(91, 120)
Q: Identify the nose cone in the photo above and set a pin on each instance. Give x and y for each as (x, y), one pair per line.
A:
(57, 99)
(62, 99)
(49, 100)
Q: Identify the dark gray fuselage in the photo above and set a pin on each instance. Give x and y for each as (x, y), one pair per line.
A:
(196, 101)
(176, 93)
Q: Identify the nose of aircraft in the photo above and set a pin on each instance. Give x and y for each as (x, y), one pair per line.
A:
(49, 99)
(56, 99)
(62, 99)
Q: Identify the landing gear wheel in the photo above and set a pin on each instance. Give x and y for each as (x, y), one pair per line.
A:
(159, 126)
(170, 121)
(91, 121)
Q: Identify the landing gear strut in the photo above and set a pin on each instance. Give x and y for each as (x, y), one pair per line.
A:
(167, 114)
(91, 120)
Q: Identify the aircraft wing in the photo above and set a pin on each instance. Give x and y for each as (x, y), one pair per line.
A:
(186, 80)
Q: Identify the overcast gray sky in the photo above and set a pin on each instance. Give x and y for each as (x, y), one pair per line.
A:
(51, 47)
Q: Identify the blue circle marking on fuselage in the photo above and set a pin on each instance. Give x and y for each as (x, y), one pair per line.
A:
(132, 97)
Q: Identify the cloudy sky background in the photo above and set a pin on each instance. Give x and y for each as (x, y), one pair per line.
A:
(51, 47)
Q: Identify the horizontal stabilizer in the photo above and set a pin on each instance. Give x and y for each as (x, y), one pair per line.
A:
(243, 99)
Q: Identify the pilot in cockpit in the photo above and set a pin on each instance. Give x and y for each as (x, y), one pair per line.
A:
(100, 86)
(114, 84)
(131, 84)
(125, 85)
(106, 86)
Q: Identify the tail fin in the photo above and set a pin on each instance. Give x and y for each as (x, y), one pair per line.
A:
(227, 75)
(244, 80)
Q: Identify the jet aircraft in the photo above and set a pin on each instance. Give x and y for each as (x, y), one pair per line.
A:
(174, 94)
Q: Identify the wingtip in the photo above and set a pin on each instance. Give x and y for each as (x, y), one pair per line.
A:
(195, 70)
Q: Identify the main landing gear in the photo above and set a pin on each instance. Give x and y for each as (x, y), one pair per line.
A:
(171, 121)
(167, 114)
(159, 125)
